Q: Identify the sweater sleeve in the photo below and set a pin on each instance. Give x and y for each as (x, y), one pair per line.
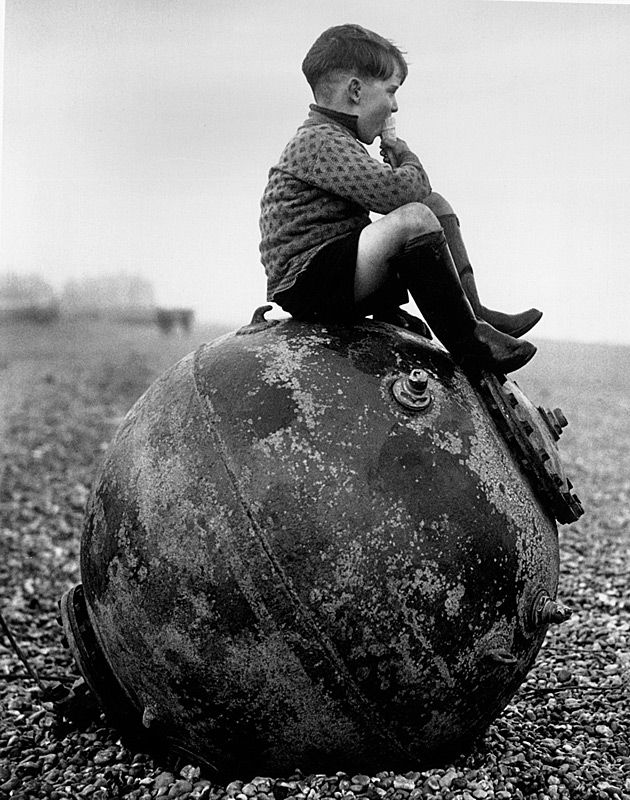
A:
(343, 167)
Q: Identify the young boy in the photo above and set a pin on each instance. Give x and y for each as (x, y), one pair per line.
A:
(325, 259)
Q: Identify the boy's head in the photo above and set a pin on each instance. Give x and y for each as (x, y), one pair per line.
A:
(350, 49)
(356, 71)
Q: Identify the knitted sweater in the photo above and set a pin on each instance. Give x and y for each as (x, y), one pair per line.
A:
(324, 186)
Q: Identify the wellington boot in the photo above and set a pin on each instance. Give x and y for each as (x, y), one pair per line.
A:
(427, 269)
(513, 324)
(496, 351)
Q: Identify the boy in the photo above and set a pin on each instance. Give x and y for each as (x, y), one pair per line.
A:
(323, 256)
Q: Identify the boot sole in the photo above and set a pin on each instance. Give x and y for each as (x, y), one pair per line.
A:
(517, 362)
(475, 363)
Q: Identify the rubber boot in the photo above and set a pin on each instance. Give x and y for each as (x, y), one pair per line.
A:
(513, 324)
(428, 270)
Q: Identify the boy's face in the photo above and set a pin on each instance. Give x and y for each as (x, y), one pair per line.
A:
(376, 101)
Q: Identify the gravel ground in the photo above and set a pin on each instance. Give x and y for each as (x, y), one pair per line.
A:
(63, 390)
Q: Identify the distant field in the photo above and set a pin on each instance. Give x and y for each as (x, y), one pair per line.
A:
(63, 391)
(87, 342)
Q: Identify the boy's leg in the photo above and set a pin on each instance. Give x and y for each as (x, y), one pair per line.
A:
(412, 241)
(378, 289)
(450, 225)
(383, 240)
(514, 324)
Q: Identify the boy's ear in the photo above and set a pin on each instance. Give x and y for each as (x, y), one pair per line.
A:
(354, 90)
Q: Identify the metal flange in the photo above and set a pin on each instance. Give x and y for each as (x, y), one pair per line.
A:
(532, 433)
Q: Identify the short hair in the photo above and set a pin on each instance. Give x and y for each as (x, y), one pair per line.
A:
(351, 48)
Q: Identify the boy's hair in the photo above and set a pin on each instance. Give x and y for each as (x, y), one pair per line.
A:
(351, 48)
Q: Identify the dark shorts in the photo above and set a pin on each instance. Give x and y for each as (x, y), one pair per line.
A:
(325, 290)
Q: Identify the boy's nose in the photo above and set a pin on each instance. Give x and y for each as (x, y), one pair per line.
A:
(394, 106)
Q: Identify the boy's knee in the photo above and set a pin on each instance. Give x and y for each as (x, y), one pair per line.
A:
(438, 204)
(416, 219)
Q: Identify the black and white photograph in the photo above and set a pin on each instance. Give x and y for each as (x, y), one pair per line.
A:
(314, 400)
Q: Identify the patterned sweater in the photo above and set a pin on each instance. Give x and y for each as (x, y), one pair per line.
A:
(324, 186)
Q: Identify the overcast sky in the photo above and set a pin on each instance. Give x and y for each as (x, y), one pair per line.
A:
(138, 135)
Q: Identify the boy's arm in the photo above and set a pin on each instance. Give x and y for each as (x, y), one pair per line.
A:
(345, 168)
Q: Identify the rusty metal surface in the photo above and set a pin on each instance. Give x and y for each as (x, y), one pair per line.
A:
(533, 443)
(279, 552)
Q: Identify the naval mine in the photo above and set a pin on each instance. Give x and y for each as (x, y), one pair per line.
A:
(315, 545)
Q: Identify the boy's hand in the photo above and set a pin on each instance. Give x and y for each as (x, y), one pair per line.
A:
(392, 152)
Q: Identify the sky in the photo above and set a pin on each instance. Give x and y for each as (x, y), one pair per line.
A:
(138, 134)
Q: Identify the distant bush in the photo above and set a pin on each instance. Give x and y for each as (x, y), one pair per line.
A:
(117, 296)
(42, 315)
(27, 298)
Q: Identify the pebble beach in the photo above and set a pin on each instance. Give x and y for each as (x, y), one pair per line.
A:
(566, 734)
